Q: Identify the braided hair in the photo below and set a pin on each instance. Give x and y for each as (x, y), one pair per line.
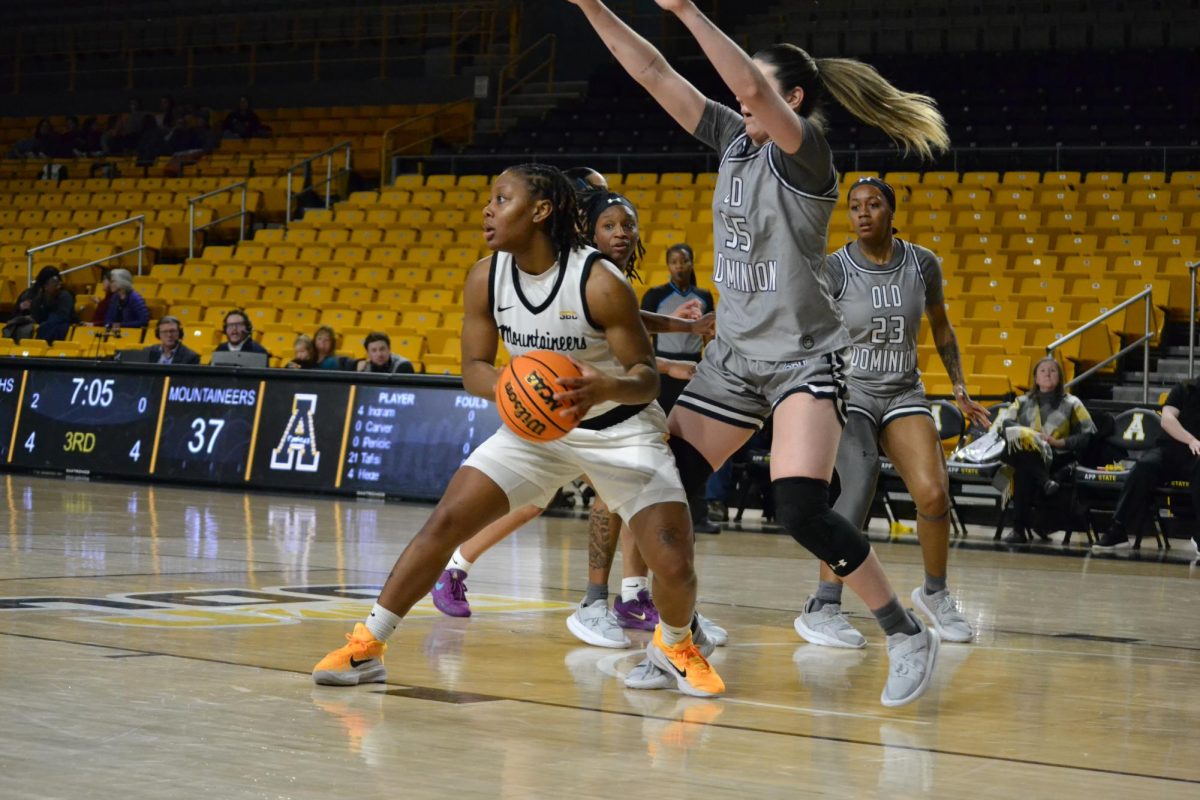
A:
(596, 203)
(548, 183)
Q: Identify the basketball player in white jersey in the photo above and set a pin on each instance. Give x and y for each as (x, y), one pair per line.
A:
(780, 339)
(611, 224)
(884, 286)
(543, 289)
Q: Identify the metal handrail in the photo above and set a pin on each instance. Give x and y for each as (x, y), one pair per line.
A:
(1145, 296)
(385, 154)
(327, 154)
(241, 215)
(548, 65)
(1192, 323)
(140, 219)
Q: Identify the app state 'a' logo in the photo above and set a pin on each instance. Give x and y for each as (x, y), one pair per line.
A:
(297, 448)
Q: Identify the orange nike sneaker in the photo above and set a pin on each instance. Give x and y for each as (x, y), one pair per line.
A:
(360, 660)
(683, 662)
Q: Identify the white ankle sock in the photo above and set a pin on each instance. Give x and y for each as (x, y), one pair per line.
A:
(382, 623)
(672, 635)
(631, 586)
(458, 562)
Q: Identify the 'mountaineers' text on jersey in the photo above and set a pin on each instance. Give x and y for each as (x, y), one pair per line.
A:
(883, 306)
(550, 312)
(769, 237)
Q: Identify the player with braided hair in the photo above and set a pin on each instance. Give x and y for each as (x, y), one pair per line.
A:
(543, 283)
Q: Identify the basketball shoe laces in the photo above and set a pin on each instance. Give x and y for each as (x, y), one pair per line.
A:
(458, 587)
(361, 645)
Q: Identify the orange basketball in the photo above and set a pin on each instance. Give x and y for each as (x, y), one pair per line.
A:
(525, 395)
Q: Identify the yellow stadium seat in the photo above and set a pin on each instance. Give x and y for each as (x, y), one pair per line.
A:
(1057, 222)
(984, 264)
(334, 275)
(1034, 243)
(414, 218)
(280, 292)
(437, 298)
(300, 236)
(1103, 180)
(437, 237)
(261, 315)
(932, 197)
(1109, 221)
(1146, 180)
(428, 198)
(392, 296)
(1020, 180)
(424, 255)
(1132, 266)
(976, 198)
(930, 220)
(378, 319)
(1173, 245)
(208, 293)
(1078, 244)
(409, 182)
(386, 255)
(1156, 222)
(641, 179)
(935, 240)
(980, 179)
(1121, 245)
(1005, 198)
(1057, 199)
(299, 317)
(974, 221)
(461, 200)
(410, 347)
(339, 317)
(243, 294)
(1015, 220)
(678, 179)
(382, 217)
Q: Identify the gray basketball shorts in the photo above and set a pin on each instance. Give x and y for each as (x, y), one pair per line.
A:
(884, 408)
(744, 391)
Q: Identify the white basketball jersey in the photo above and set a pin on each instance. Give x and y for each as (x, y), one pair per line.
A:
(550, 312)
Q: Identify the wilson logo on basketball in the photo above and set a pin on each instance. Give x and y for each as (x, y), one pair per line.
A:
(521, 413)
(525, 395)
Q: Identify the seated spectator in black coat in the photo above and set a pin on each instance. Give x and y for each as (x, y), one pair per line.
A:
(238, 338)
(1175, 455)
(170, 350)
(127, 308)
(46, 304)
(380, 357)
(243, 123)
(87, 140)
(43, 143)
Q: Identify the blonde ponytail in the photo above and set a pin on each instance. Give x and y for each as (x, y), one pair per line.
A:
(911, 120)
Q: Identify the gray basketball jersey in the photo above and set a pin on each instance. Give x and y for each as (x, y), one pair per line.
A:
(769, 236)
(550, 312)
(883, 307)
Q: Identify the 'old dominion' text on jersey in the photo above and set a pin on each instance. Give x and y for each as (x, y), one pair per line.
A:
(550, 312)
(769, 237)
(883, 306)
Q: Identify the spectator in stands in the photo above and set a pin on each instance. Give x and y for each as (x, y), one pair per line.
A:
(46, 304)
(380, 357)
(100, 314)
(43, 143)
(238, 337)
(305, 353)
(170, 350)
(87, 142)
(127, 129)
(1175, 455)
(325, 340)
(166, 112)
(1045, 430)
(243, 123)
(127, 308)
(66, 141)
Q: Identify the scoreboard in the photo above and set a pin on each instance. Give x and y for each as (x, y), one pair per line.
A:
(336, 432)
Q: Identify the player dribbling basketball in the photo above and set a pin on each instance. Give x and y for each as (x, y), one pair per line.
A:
(543, 289)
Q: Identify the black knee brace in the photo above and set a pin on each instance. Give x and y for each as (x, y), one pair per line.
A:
(802, 508)
(694, 469)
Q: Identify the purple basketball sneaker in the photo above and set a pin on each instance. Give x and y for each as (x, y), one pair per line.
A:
(638, 614)
(450, 594)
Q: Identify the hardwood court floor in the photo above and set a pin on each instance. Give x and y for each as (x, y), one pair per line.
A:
(169, 653)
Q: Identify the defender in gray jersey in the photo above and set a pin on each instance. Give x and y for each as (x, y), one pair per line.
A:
(780, 338)
(884, 286)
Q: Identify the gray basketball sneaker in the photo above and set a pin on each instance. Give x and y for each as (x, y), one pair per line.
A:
(941, 609)
(596, 625)
(910, 664)
(827, 626)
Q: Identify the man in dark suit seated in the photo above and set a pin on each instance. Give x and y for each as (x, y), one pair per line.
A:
(380, 357)
(238, 337)
(170, 350)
